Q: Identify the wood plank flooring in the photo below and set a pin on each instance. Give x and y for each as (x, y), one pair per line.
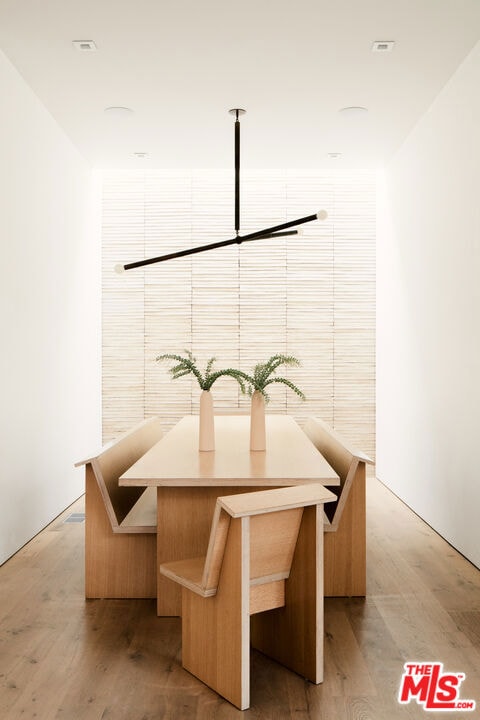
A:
(64, 658)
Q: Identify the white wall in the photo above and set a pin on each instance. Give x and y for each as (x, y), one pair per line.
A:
(50, 307)
(428, 315)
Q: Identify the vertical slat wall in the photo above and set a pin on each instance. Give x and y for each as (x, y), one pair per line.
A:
(312, 296)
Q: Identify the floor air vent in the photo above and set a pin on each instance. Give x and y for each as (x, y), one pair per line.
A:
(75, 518)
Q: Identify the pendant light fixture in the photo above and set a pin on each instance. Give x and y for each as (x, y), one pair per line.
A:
(271, 232)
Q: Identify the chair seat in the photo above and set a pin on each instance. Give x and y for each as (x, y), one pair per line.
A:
(188, 573)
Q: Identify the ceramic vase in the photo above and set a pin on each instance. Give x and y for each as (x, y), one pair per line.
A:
(257, 422)
(206, 434)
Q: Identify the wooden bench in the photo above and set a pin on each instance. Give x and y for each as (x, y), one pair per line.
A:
(120, 523)
(345, 523)
(264, 553)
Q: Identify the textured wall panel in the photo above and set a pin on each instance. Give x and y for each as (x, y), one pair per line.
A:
(312, 296)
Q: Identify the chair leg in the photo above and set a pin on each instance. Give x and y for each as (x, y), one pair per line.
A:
(293, 635)
(216, 630)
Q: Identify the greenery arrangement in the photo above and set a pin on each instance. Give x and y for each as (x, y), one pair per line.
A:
(186, 365)
(264, 375)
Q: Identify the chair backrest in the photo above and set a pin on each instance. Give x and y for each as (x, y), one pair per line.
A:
(114, 459)
(274, 523)
(343, 459)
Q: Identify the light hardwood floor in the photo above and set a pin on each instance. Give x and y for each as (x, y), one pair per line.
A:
(64, 658)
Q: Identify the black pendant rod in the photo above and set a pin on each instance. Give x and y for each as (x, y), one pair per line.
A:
(237, 174)
(237, 112)
(259, 235)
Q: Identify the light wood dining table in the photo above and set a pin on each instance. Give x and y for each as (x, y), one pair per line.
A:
(188, 481)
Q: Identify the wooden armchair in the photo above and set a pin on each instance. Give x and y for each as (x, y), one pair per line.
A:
(345, 527)
(120, 522)
(264, 553)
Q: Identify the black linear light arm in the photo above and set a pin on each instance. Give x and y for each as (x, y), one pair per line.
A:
(261, 234)
(271, 232)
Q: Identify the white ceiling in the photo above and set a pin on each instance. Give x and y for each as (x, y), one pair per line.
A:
(181, 64)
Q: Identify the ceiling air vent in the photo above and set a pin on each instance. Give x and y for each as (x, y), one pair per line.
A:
(383, 45)
(84, 45)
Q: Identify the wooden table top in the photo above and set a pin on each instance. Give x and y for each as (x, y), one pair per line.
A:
(290, 457)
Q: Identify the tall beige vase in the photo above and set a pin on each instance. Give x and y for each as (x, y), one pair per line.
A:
(206, 435)
(257, 422)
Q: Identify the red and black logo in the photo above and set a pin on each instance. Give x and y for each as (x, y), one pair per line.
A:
(430, 686)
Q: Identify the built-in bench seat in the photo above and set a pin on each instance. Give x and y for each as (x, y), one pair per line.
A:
(344, 521)
(120, 522)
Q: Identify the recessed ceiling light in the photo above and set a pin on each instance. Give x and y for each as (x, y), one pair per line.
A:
(383, 45)
(118, 111)
(354, 111)
(141, 154)
(84, 45)
(335, 155)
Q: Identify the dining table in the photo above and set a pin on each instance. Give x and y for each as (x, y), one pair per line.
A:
(188, 481)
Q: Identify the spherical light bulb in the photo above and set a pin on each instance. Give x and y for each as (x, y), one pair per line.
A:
(322, 215)
(119, 269)
(300, 231)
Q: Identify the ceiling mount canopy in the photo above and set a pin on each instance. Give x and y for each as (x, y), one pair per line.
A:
(274, 231)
